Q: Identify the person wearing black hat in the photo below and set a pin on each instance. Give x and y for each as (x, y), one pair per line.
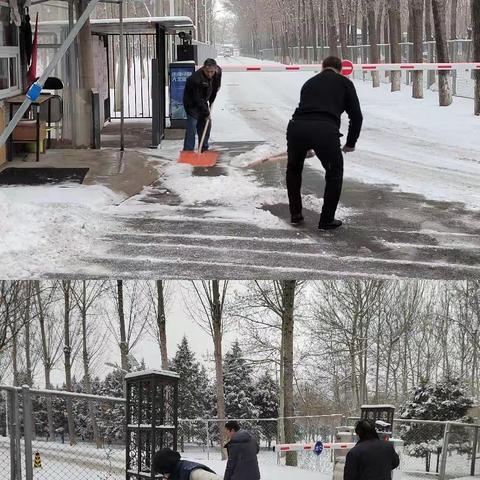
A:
(169, 463)
(371, 458)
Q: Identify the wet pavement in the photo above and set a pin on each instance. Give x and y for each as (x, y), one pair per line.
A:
(389, 234)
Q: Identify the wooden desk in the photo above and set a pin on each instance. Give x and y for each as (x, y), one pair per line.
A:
(18, 100)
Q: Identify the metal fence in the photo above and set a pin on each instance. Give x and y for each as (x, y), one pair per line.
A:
(449, 450)
(37, 443)
(202, 437)
(460, 51)
(37, 440)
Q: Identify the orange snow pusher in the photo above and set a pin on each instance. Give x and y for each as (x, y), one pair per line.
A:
(198, 158)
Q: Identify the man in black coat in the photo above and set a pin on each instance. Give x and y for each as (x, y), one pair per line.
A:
(371, 458)
(315, 125)
(200, 92)
(242, 450)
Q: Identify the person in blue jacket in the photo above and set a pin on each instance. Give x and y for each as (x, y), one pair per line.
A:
(169, 463)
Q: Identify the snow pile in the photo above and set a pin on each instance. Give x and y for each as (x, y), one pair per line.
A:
(237, 195)
(45, 227)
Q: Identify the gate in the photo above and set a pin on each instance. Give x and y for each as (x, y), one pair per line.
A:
(140, 50)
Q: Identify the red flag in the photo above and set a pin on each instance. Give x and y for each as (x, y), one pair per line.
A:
(32, 72)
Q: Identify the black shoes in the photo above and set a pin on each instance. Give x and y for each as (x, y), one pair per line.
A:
(330, 226)
(297, 219)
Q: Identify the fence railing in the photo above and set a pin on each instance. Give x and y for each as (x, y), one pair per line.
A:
(460, 51)
(57, 435)
(448, 450)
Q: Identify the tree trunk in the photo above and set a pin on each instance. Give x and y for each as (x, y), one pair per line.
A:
(314, 31)
(444, 92)
(86, 366)
(67, 351)
(429, 37)
(453, 20)
(342, 25)
(162, 322)
(475, 7)
(394, 20)
(46, 361)
(373, 36)
(123, 330)
(28, 354)
(417, 20)
(14, 348)
(288, 291)
(332, 29)
(217, 342)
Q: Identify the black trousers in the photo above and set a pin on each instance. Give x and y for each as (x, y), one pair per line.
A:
(324, 138)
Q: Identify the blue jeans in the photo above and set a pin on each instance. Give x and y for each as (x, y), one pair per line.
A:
(195, 127)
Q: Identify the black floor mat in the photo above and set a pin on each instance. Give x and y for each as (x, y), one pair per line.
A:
(41, 176)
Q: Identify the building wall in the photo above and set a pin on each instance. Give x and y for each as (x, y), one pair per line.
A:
(101, 72)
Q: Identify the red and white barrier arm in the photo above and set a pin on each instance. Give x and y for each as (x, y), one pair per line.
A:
(359, 67)
(299, 447)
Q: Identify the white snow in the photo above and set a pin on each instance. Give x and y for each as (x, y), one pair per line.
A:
(413, 145)
(49, 225)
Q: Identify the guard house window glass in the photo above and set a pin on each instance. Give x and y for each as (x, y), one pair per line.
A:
(4, 80)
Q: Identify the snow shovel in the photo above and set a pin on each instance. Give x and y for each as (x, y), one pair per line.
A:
(199, 159)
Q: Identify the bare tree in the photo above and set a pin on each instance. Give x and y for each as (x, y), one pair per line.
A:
(395, 27)
(439, 9)
(417, 7)
(373, 37)
(158, 326)
(85, 296)
(212, 296)
(67, 351)
(50, 343)
(332, 29)
(133, 310)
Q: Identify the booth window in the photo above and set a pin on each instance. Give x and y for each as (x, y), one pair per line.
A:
(9, 56)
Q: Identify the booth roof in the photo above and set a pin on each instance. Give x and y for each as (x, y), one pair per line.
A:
(130, 25)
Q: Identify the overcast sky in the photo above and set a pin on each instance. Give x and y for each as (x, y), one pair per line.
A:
(179, 323)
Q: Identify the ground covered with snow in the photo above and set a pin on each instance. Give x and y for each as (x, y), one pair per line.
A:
(411, 147)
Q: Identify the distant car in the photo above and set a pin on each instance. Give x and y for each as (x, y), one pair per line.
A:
(228, 52)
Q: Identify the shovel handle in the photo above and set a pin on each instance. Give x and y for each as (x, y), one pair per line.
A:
(204, 134)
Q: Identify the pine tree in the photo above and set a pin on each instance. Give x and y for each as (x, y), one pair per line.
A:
(192, 385)
(265, 399)
(445, 401)
(238, 385)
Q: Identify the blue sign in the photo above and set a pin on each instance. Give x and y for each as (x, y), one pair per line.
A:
(318, 449)
(178, 79)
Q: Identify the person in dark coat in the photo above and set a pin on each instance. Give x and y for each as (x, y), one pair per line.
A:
(242, 451)
(371, 458)
(168, 463)
(315, 125)
(200, 92)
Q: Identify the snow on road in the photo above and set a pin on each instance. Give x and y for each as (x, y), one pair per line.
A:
(414, 145)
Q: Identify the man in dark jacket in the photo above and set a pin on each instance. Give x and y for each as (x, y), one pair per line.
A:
(371, 458)
(316, 125)
(200, 92)
(242, 450)
(169, 464)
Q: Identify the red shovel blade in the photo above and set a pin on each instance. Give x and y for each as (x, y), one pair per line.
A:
(205, 159)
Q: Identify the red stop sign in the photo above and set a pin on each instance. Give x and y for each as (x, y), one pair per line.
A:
(347, 67)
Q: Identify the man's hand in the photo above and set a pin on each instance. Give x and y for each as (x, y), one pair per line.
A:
(347, 149)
